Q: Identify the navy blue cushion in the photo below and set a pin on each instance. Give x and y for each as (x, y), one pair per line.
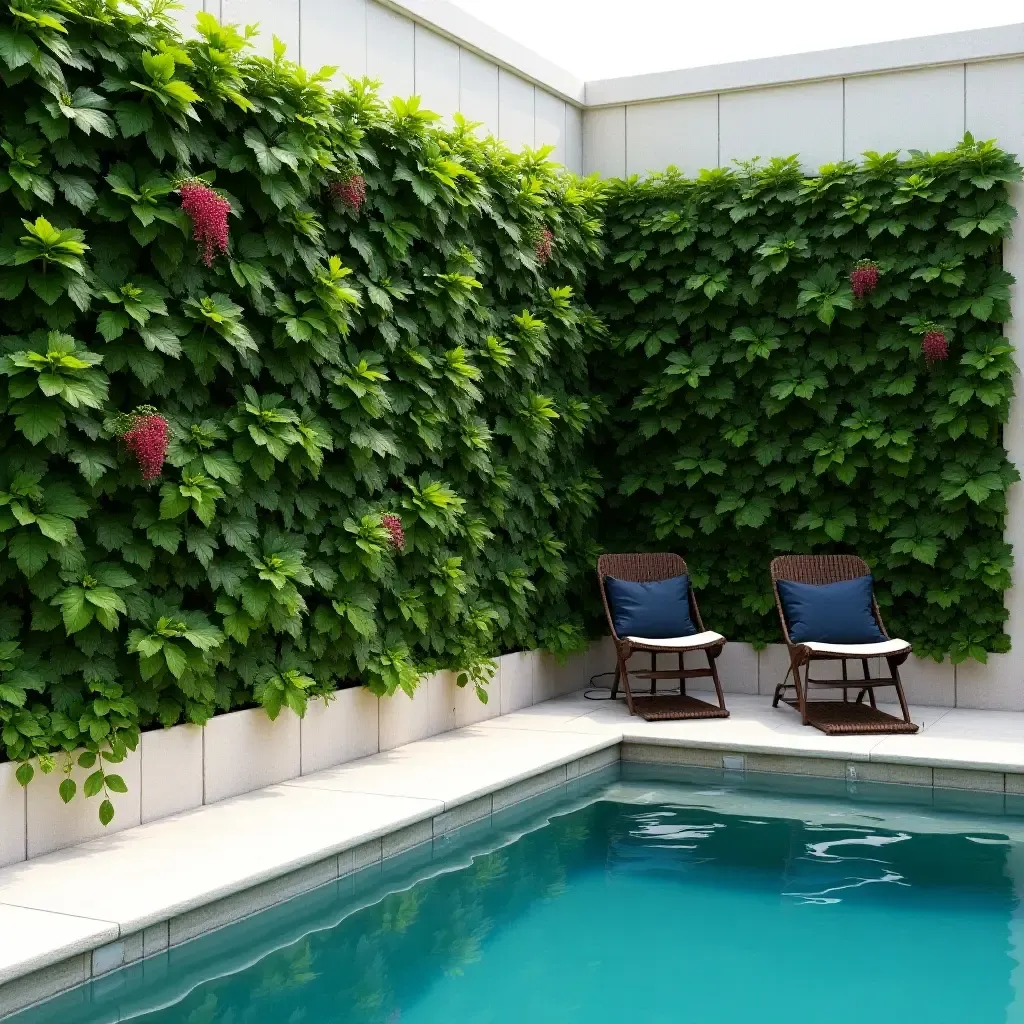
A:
(655, 610)
(834, 613)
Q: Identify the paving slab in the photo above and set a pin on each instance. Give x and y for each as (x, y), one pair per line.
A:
(460, 766)
(30, 939)
(154, 872)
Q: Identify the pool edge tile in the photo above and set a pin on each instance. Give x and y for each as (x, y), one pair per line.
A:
(220, 913)
(38, 986)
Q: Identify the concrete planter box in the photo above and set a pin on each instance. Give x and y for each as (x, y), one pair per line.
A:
(245, 750)
(772, 665)
(601, 660)
(517, 678)
(12, 816)
(405, 719)
(341, 730)
(935, 683)
(172, 771)
(179, 769)
(737, 670)
(52, 824)
(468, 708)
(555, 679)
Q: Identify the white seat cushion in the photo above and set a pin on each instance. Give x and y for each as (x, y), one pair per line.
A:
(677, 642)
(859, 650)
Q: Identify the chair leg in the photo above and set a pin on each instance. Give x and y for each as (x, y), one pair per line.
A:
(624, 675)
(714, 676)
(869, 690)
(682, 678)
(780, 689)
(615, 681)
(801, 691)
(894, 670)
(654, 668)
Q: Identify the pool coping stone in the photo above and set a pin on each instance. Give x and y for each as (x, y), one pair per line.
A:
(418, 794)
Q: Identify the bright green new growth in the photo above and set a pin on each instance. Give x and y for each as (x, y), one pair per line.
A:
(411, 357)
(759, 408)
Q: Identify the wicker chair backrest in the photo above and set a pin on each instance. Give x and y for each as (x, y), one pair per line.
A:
(641, 568)
(819, 570)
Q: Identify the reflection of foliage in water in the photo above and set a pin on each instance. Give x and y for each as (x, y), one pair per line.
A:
(291, 969)
(380, 959)
(401, 917)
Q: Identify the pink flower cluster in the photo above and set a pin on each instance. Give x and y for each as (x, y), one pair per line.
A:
(864, 279)
(935, 346)
(393, 525)
(147, 441)
(542, 247)
(351, 191)
(209, 214)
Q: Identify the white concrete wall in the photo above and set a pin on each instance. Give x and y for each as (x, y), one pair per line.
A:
(828, 106)
(425, 48)
(821, 121)
(913, 94)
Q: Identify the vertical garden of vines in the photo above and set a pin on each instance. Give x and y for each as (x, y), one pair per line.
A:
(294, 385)
(302, 391)
(812, 364)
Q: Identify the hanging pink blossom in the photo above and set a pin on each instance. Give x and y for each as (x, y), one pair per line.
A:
(147, 441)
(864, 279)
(350, 191)
(393, 525)
(209, 213)
(542, 247)
(935, 347)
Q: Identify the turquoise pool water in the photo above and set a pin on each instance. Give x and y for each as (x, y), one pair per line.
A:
(650, 902)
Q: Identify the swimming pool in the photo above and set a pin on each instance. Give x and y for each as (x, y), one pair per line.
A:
(686, 897)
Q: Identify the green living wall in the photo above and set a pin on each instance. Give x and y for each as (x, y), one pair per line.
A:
(759, 406)
(376, 397)
(397, 433)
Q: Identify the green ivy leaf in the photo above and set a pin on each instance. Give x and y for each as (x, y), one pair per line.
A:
(106, 813)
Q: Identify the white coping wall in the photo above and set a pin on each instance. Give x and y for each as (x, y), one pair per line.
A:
(427, 48)
(911, 94)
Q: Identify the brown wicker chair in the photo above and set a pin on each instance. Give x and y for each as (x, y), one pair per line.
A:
(831, 716)
(647, 568)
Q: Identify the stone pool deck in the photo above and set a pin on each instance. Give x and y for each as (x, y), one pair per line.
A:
(82, 912)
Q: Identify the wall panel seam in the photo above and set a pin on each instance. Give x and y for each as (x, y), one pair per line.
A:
(965, 97)
(533, 95)
(844, 118)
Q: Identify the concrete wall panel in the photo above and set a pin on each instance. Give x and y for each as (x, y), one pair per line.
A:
(683, 133)
(390, 51)
(905, 110)
(806, 120)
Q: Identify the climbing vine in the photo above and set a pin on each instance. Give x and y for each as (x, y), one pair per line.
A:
(290, 399)
(301, 391)
(817, 364)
